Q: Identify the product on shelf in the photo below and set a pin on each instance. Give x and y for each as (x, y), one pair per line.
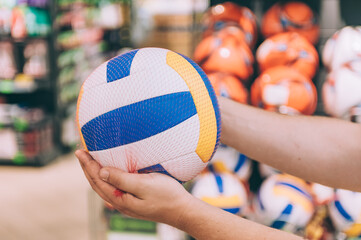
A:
(284, 202)
(227, 85)
(30, 21)
(341, 90)
(7, 61)
(285, 90)
(225, 54)
(293, 16)
(34, 3)
(229, 14)
(228, 159)
(288, 49)
(36, 58)
(222, 190)
(343, 47)
(26, 133)
(345, 212)
(5, 21)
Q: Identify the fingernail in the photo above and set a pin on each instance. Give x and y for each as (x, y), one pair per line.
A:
(104, 174)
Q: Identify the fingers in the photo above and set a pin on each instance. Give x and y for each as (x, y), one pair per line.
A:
(128, 182)
(91, 170)
(108, 191)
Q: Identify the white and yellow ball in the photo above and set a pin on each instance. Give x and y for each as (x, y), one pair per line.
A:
(221, 190)
(345, 212)
(284, 202)
(228, 159)
(150, 110)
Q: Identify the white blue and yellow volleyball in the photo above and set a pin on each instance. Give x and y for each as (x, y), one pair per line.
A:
(222, 190)
(284, 202)
(150, 110)
(228, 159)
(345, 212)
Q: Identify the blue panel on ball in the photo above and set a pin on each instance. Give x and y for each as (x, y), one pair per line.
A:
(138, 121)
(158, 169)
(219, 182)
(282, 219)
(295, 188)
(119, 67)
(342, 211)
(232, 210)
(212, 95)
(241, 160)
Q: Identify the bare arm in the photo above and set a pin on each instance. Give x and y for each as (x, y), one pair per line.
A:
(318, 149)
(160, 198)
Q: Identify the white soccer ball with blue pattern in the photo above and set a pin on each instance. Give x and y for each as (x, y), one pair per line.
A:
(150, 110)
(284, 202)
(345, 212)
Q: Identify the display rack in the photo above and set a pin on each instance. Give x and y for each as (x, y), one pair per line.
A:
(33, 140)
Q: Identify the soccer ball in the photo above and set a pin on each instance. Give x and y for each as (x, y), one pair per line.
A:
(291, 17)
(341, 90)
(284, 202)
(288, 49)
(221, 190)
(226, 85)
(345, 212)
(229, 14)
(150, 110)
(344, 46)
(285, 90)
(225, 53)
(228, 159)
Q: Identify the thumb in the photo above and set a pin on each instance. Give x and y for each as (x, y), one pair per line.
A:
(128, 182)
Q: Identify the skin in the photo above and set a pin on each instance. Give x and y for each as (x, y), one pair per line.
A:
(317, 149)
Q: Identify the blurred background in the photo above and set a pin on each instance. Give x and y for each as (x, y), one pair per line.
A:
(291, 57)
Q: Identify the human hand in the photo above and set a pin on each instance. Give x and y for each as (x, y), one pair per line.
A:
(151, 196)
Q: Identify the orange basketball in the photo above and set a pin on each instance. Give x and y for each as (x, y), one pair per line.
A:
(285, 90)
(231, 14)
(291, 17)
(225, 53)
(226, 85)
(288, 49)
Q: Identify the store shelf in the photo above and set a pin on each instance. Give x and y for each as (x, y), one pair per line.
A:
(14, 87)
(37, 161)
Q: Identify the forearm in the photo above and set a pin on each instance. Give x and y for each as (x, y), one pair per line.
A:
(205, 222)
(317, 149)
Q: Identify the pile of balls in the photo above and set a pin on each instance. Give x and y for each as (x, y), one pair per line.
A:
(287, 62)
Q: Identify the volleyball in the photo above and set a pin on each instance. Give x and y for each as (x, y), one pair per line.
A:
(284, 202)
(345, 212)
(150, 110)
(288, 49)
(222, 190)
(228, 159)
(285, 90)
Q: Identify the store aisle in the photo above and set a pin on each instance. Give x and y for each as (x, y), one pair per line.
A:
(44, 203)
